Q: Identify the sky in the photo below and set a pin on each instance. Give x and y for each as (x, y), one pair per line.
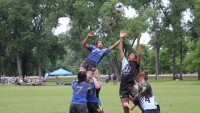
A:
(63, 27)
(130, 13)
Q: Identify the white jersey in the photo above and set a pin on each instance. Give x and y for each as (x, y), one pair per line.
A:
(146, 103)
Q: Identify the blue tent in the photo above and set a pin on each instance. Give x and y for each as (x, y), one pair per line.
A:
(58, 73)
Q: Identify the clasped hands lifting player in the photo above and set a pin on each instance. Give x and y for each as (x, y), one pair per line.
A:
(89, 65)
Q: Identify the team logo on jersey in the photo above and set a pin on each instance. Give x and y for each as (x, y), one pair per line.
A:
(126, 70)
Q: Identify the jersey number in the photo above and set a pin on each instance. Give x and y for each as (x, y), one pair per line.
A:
(147, 99)
(79, 89)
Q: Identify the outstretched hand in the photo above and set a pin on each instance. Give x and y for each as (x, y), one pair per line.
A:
(90, 34)
(123, 34)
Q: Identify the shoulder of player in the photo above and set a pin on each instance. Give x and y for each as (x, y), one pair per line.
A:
(90, 47)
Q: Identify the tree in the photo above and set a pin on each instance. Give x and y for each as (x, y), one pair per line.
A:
(106, 22)
(192, 59)
(26, 30)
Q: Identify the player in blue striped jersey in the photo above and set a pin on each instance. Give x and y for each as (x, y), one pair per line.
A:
(80, 89)
(97, 52)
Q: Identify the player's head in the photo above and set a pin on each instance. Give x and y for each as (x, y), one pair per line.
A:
(89, 77)
(96, 73)
(99, 44)
(81, 76)
(142, 76)
(145, 90)
(132, 57)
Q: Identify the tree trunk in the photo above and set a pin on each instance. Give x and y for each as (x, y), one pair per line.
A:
(181, 61)
(157, 62)
(24, 68)
(155, 36)
(13, 68)
(19, 66)
(39, 71)
(174, 64)
(109, 68)
(116, 68)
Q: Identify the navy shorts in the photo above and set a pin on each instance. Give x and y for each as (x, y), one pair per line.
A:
(78, 108)
(89, 65)
(94, 107)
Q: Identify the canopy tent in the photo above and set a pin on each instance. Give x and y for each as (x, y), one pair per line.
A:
(59, 72)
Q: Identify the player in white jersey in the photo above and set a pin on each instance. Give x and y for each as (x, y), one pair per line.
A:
(145, 100)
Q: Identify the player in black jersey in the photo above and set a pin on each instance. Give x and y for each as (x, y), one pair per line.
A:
(129, 68)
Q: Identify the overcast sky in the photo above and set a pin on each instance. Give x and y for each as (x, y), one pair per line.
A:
(63, 22)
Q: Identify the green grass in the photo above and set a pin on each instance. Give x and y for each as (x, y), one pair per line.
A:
(173, 98)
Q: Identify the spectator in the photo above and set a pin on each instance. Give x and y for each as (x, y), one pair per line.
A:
(107, 78)
(177, 78)
(9, 80)
(2, 80)
(114, 79)
(28, 82)
(14, 80)
(56, 81)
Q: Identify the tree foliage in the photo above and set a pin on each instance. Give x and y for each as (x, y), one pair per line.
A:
(28, 45)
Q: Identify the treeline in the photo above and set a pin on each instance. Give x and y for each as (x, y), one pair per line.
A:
(28, 45)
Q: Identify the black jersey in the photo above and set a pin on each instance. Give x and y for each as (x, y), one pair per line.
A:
(128, 73)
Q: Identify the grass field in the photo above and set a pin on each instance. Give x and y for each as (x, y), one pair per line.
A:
(173, 98)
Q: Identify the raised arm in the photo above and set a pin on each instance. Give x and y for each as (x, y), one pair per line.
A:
(97, 84)
(84, 43)
(122, 35)
(121, 52)
(138, 49)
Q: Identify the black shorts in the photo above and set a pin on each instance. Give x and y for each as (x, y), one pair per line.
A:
(89, 65)
(78, 108)
(125, 92)
(151, 111)
(94, 107)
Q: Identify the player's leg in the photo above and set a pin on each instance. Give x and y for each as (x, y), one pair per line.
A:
(84, 65)
(82, 69)
(133, 92)
(82, 109)
(72, 108)
(93, 107)
(92, 68)
(125, 92)
(125, 100)
(90, 107)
